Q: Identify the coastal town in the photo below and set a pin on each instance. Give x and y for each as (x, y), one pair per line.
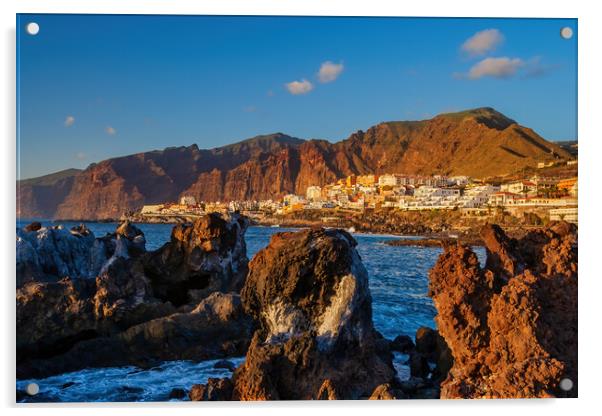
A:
(550, 196)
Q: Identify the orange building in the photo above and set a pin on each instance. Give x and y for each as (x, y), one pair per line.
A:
(566, 184)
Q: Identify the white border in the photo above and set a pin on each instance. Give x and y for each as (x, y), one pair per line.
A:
(590, 124)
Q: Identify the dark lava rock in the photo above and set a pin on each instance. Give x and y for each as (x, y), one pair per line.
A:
(419, 366)
(123, 314)
(403, 344)
(177, 394)
(308, 291)
(229, 365)
(34, 226)
(216, 389)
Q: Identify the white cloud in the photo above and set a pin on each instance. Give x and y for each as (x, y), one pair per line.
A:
(299, 87)
(482, 42)
(69, 121)
(111, 131)
(503, 67)
(329, 71)
(80, 156)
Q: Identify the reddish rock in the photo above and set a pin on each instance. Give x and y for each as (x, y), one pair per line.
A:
(511, 326)
(328, 391)
(309, 293)
(216, 389)
(387, 392)
(203, 257)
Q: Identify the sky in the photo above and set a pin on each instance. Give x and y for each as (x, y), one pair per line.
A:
(91, 87)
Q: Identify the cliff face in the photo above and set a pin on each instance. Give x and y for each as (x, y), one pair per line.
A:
(39, 197)
(477, 143)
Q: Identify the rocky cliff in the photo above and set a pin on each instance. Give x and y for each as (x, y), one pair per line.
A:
(512, 324)
(477, 143)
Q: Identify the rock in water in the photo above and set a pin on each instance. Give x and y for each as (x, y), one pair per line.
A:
(308, 292)
(206, 256)
(511, 326)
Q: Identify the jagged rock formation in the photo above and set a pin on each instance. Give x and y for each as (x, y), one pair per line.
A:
(67, 318)
(199, 259)
(309, 293)
(512, 325)
(479, 143)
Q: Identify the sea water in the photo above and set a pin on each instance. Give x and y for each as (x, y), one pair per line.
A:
(398, 284)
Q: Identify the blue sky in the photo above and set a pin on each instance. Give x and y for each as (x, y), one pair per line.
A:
(92, 87)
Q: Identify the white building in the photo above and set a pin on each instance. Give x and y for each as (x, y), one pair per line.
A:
(151, 209)
(313, 193)
(188, 200)
(520, 187)
(389, 180)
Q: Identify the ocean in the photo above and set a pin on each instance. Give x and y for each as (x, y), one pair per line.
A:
(398, 283)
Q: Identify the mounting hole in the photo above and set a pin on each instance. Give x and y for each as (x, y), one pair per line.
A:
(566, 32)
(32, 389)
(32, 28)
(566, 384)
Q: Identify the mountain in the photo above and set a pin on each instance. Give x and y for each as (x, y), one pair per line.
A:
(479, 143)
(570, 146)
(40, 197)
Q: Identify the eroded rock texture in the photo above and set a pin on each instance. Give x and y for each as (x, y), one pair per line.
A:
(512, 325)
(308, 292)
(206, 256)
(84, 302)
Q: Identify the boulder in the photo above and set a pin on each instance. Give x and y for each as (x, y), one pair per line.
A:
(216, 389)
(403, 344)
(34, 226)
(206, 256)
(308, 292)
(512, 325)
(387, 392)
(177, 394)
(229, 365)
(419, 366)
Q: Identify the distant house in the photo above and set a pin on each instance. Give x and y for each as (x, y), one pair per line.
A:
(389, 180)
(524, 187)
(188, 200)
(502, 198)
(151, 209)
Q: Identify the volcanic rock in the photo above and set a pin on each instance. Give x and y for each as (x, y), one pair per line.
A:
(402, 343)
(122, 316)
(206, 256)
(216, 389)
(512, 325)
(308, 292)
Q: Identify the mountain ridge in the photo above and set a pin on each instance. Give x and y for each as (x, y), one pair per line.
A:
(478, 142)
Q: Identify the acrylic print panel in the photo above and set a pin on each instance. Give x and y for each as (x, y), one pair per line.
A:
(295, 208)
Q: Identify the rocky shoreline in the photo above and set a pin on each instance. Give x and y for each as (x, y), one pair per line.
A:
(300, 311)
